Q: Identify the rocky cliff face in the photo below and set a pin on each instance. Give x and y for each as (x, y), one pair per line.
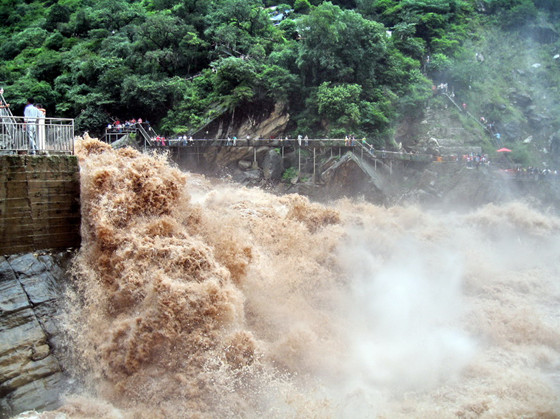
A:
(31, 375)
(265, 121)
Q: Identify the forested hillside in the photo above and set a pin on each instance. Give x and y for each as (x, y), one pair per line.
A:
(347, 66)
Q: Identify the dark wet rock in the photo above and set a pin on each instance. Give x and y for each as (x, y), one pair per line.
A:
(26, 265)
(244, 164)
(40, 288)
(55, 263)
(6, 271)
(31, 376)
(13, 296)
(41, 394)
(249, 177)
(226, 156)
(46, 314)
(349, 175)
(272, 165)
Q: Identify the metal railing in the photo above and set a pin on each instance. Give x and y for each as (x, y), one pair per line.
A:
(146, 136)
(148, 140)
(45, 135)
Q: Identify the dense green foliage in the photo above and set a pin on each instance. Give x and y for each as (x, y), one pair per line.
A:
(346, 66)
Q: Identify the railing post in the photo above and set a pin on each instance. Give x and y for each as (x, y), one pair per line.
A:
(73, 137)
(255, 165)
(314, 179)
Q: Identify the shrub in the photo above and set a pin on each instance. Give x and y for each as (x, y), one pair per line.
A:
(289, 174)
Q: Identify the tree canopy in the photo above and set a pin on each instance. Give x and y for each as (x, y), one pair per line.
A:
(358, 65)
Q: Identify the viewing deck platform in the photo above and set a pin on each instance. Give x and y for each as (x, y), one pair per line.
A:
(50, 135)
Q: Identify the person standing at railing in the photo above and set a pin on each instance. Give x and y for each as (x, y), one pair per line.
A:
(31, 113)
(41, 132)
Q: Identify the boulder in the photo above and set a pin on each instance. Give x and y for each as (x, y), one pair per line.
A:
(225, 156)
(245, 164)
(272, 126)
(249, 177)
(272, 165)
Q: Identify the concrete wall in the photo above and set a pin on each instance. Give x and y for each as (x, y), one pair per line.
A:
(39, 203)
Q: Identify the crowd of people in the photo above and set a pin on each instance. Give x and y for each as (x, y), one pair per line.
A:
(182, 140)
(474, 160)
(118, 126)
(535, 173)
(350, 140)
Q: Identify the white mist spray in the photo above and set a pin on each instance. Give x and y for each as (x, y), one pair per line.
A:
(405, 313)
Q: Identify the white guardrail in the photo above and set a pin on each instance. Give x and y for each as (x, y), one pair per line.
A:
(45, 136)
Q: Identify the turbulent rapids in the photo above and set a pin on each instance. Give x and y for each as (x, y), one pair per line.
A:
(198, 299)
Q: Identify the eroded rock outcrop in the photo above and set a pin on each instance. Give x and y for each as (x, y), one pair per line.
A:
(31, 376)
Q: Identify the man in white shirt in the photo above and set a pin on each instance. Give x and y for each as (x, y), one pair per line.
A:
(31, 113)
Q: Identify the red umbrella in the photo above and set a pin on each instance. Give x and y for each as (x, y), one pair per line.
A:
(504, 150)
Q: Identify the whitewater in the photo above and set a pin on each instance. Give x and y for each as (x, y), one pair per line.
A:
(193, 298)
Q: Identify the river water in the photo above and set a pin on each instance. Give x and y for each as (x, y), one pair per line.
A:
(197, 299)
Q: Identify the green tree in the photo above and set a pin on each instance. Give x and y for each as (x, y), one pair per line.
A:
(339, 46)
(278, 82)
(159, 44)
(234, 25)
(48, 65)
(302, 6)
(57, 15)
(233, 72)
(143, 94)
(339, 104)
(55, 41)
